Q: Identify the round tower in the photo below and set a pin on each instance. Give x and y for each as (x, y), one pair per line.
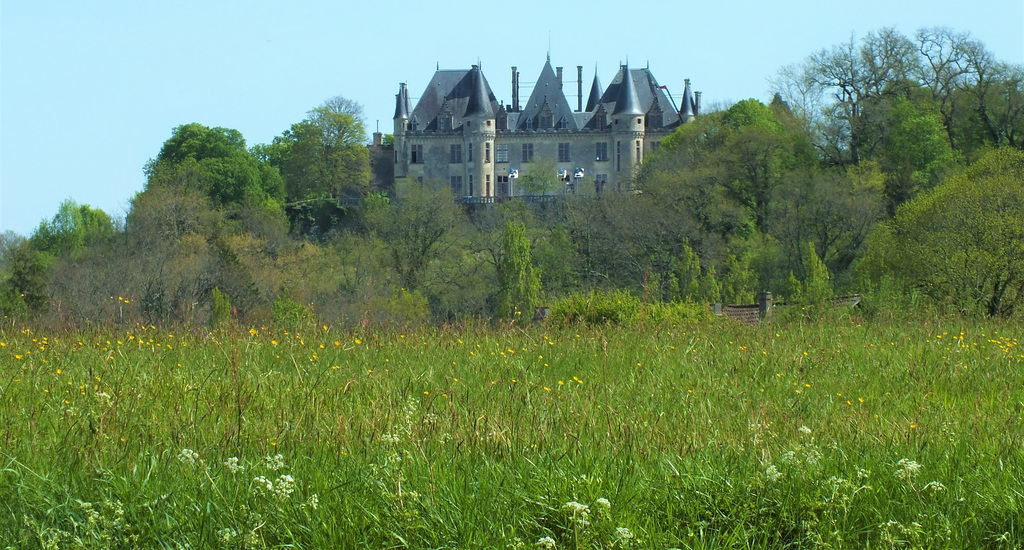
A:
(627, 121)
(401, 127)
(478, 137)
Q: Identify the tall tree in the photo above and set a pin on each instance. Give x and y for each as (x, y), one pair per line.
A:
(520, 281)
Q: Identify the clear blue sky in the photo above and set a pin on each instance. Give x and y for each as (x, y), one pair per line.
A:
(90, 90)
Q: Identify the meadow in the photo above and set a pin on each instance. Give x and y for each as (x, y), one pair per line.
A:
(841, 433)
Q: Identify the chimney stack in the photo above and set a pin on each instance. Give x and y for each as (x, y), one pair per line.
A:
(696, 103)
(515, 90)
(558, 76)
(579, 88)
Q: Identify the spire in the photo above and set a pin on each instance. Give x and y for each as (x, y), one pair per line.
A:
(479, 103)
(627, 102)
(686, 113)
(402, 102)
(595, 94)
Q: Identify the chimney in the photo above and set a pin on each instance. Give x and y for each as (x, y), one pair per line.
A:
(515, 90)
(579, 88)
(558, 76)
(696, 103)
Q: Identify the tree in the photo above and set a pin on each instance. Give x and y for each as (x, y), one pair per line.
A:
(322, 159)
(961, 243)
(520, 281)
(414, 227)
(72, 228)
(220, 165)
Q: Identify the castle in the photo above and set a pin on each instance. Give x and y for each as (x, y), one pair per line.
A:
(459, 134)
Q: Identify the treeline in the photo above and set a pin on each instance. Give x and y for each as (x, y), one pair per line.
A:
(889, 166)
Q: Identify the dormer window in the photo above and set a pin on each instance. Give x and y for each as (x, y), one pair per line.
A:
(563, 124)
(529, 123)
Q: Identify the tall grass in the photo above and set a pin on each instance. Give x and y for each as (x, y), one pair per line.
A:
(828, 434)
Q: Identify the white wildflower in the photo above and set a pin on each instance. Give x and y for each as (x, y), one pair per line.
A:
(772, 473)
(935, 486)
(906, 469)
(547, 543)
(804, 430)
(188, 456)
(313, 502)
(603, 504)
(862, 473)
(263, 485)
(579, 512)
(275, 462)
(233, 465)
(284, 486)
(622, 534)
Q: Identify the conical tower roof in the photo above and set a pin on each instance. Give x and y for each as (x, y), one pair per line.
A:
(479, 104)
(595, 94)
(686, 109)
(402, 102)
(627, 102)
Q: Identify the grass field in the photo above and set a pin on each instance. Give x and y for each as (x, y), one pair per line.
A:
(839, 434)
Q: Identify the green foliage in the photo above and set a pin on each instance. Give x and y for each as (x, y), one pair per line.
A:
(73, 228)
(960, 243)
(221, 312)
(400, 308)
(219, 164)
(916, 151)
(817, 283)
(622, 308)
(27, 280)
(289, 314)
(519, 290)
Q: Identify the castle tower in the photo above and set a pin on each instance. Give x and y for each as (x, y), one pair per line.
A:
(401, 126)
(627, 124)
(688, 109)
(478, 135)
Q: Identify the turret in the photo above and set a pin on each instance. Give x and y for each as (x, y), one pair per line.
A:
(627, 130)
(401, 125)
(687, 111)
(478, 135)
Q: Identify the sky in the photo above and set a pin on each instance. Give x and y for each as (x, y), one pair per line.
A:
(89, 91)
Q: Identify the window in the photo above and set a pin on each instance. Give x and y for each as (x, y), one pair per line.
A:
(469, 153)
(501, 153)
(544, 120)
(529, 123)
(563, 152)
(563, 123)
(470, 185)
(416, 154)
(638, 152)
(503, 186)
(599, 181)
(618, 156)
(457, 185)
(414, 124)
(455, 155)
(487, 192)
(487, 152)
(602, 151)
(527, 152)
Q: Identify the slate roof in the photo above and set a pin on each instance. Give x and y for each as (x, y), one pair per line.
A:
(647, 92)
(402, 102)
(454, 87)
(479, 96)
(595, 94)
(547, 92)
(626, 101)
